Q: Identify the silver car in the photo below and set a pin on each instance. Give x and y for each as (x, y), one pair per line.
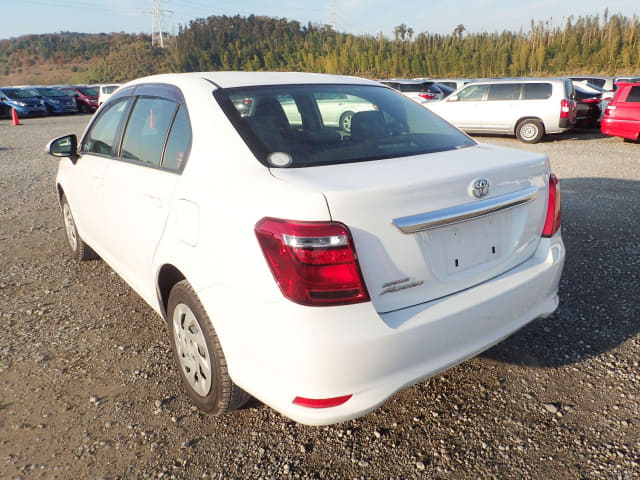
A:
(526, 108)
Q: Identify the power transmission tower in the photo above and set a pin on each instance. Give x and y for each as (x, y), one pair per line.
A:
(157, 14)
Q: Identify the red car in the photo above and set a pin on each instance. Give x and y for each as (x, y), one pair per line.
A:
(622, 118)
(86, 97)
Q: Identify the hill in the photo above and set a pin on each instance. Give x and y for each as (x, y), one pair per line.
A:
(592, 44)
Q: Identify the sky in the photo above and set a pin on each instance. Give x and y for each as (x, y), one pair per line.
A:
(22, 17)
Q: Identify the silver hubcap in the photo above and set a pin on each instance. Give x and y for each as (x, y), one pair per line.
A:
(529, 131)
(70, 227)
(346, 123)
(193, 354)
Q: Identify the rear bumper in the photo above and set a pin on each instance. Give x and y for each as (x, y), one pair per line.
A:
(279, 351)
(620, 128)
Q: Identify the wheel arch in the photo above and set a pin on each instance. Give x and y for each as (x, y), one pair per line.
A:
(530, 117)
(168, 276)
(60, 192)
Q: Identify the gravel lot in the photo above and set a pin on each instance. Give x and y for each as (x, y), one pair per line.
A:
(88, 388)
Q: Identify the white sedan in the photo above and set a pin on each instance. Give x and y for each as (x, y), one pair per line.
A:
(316, 269)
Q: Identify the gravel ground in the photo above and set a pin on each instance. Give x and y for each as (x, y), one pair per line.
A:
(88, 389)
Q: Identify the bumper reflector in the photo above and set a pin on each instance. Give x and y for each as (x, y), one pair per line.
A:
(321, 402)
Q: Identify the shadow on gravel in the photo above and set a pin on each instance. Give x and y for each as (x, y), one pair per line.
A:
(573, 134)
(599, 306)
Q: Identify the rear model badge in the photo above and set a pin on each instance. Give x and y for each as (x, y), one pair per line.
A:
(480, 187)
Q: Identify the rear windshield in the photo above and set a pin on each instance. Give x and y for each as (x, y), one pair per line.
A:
(309, 125)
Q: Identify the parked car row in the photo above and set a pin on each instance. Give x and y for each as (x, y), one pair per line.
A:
(528, 108)
(32, 101)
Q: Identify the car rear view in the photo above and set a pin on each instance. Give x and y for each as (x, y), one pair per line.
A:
(622, 116)
(318, 264)
(434, 248)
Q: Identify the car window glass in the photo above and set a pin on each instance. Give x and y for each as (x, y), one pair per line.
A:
(634, 95)
(384, 124)
(147, 130)
(101, 137)
(179, 141)
(537, 91)
(338, 110)
(473, 92)
(506, 91)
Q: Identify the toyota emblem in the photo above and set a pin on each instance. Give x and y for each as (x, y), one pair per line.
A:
(480, 187)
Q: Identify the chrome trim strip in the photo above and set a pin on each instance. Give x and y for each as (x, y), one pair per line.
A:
(463, 213)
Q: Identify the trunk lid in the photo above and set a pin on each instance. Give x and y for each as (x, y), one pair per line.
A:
(419, 231)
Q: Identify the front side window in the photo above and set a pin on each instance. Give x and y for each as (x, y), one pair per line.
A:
(472, 93)
(147, 129)
(309, 125)
(102, 136)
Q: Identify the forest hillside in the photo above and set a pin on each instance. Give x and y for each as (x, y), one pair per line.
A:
(601, 44)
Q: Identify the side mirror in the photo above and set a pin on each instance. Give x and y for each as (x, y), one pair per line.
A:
(66, 146)
(453, 98)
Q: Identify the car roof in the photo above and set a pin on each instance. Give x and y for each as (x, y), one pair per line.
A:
(246, 79)
(517, 80)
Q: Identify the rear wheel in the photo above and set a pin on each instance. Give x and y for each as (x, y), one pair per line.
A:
(530, 130)
(80, 249)
(198, 354)
(345, 121)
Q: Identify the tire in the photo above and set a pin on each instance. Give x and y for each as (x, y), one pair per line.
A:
(79, 248)
(530, 130)
(198, 354)
(345, 121)
(84, 108)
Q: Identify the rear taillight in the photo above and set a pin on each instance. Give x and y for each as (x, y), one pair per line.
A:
(552, 223)
(609, 112)
(591, 100)
(427, 96)
(564, 108)
(313, 263)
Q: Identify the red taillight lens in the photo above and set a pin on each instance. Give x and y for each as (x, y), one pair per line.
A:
(564, 108)
(427, 96)
(591, 100)
(313, 263)
(552, 224)
(321, 402)
(610, 111)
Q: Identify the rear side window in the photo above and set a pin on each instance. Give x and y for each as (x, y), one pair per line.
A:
(505, 91)
(634, 95)
(147, 130)
(537, 91)
(179, 141)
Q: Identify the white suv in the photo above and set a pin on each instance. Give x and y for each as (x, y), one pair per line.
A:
(318, 269)
(527, 108)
